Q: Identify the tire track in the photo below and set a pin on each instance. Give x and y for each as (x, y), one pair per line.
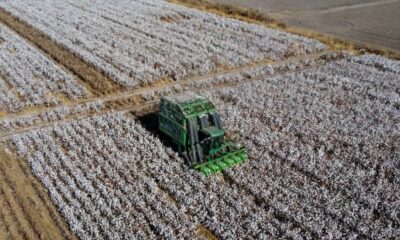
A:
(4, 232)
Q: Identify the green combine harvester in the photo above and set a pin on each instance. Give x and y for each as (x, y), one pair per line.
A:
(195, 128)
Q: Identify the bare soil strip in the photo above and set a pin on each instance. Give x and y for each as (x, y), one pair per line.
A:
(93, 79)
(26, 210)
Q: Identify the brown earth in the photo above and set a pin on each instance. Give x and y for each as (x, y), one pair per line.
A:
(26, 211)
(87, 74)
(204, 232)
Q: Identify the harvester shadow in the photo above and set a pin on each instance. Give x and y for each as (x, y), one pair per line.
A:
(149, 122)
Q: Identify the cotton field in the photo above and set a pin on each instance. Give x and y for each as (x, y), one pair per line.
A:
(321, 126)
(327, 144)
(108, 176)
(28, 78)
(139, 42)
(50, 116)
(323, 163)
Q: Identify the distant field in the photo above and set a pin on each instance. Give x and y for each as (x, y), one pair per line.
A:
(293, 6)
(368, 21)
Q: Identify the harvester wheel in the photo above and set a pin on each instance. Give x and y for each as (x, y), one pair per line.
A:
(186, 158)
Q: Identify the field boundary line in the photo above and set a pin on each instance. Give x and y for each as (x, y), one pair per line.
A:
(273, 21)
(155, 87)
(143, 106)
(149, 89)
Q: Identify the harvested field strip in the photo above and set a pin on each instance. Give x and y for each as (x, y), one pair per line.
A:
(26, 211)
(43, 201)
(96, 82)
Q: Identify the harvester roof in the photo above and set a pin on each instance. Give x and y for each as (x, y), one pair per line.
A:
(191, 104)
(213, 131)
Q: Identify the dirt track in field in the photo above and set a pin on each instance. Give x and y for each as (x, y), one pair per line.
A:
(132, 101)
(26, 211)
(94, 80)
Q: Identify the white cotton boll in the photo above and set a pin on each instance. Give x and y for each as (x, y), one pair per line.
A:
(35, 78)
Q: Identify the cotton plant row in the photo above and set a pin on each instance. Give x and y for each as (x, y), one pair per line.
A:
(325, 142)
(28, 78)
(99, 188)
(9, 102)
(108, 176)
(260, 72)
(379, 62)
(225, 208)
(140, 42)
(53, 115)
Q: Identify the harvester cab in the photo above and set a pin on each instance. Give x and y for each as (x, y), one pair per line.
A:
(195, 128)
